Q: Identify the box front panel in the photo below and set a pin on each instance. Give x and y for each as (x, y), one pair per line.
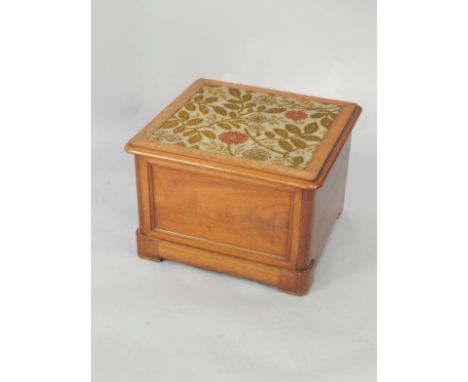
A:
(226, 215)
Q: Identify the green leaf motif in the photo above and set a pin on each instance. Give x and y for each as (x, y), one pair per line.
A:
(194, 139)
(298, 160)
(285, 145)
(298, 143)
(224, 125)
(275, 110)
(219, 110)
(281, 133)
(311, 128)
(169, 124)
(293, 129)
(183, 115)
(194, 121)
(190, 106)
(231, 106)
(327, 122)
(311, 138)
(189, 132)
(234, 92)
(209, 134)
(204, 109)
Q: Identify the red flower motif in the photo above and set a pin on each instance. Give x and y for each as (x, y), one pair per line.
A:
(296, 115)
(233, 137)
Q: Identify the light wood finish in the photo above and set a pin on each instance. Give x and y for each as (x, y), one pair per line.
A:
(287, 280)
(268, 225)
(224, 211)
(328, 203)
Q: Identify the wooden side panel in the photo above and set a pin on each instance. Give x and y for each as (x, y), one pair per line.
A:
(303, 259)
(234, 215)
(328, 203)
(142, 180)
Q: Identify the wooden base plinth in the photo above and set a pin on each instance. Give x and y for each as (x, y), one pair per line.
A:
(287, 280)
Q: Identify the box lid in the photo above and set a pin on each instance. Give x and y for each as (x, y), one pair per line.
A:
(255, 129)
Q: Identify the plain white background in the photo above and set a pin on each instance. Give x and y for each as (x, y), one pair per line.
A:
(171, 322)
(45, 197)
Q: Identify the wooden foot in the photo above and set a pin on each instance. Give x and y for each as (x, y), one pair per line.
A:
(295, 282)
(151, 258)
(147, 249)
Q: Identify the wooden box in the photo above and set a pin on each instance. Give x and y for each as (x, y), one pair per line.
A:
(243, 180)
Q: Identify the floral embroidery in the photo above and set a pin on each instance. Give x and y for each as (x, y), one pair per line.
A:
(296, 115)
(257, 154)
(230, 121)
(233, 137)
(266, 99)
(256, 129)
(257, 118)
(166, 137)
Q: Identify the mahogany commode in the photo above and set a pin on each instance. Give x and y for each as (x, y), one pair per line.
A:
(243, 180)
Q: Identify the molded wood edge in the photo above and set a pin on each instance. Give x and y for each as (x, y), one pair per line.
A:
(296, 282)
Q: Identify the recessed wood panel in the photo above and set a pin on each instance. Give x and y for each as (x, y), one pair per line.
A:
(223, 211)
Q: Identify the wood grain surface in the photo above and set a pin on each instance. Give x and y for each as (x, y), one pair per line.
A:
(264, 224)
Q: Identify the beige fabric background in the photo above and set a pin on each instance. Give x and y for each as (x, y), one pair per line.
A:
(169, 322)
